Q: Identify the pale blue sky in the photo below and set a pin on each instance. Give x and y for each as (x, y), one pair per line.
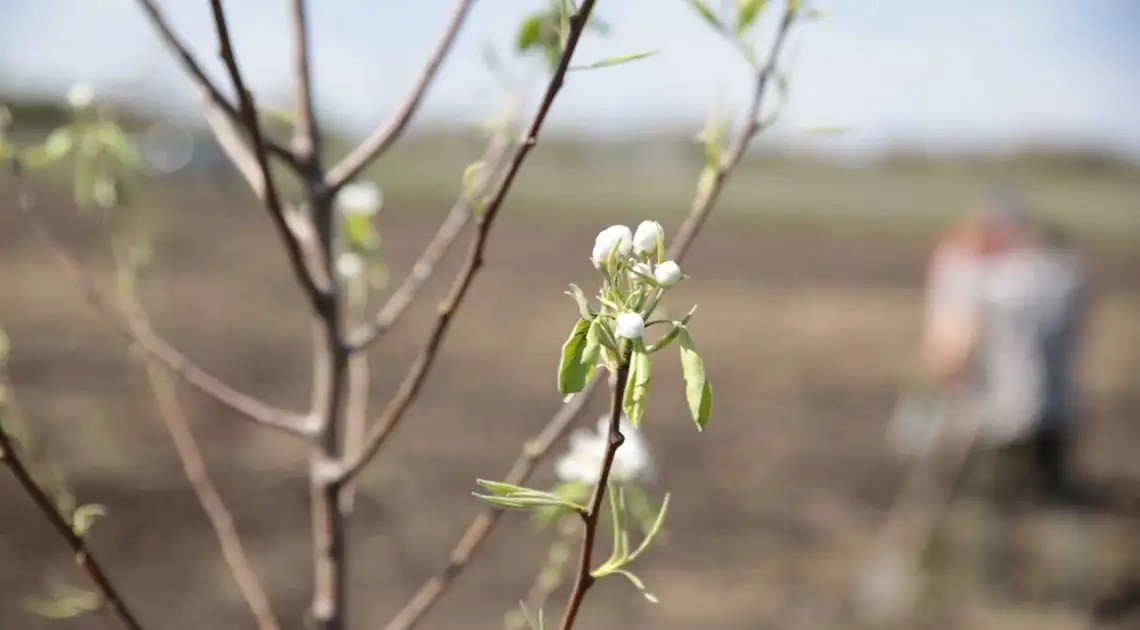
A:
(987, 73)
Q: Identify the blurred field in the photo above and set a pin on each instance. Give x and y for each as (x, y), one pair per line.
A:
(807, 281)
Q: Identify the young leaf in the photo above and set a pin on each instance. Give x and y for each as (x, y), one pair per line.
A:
(746, 13)
(705, 12)
(528, 32)
(698, 392)
(654, 529)
(84, 517)
(637, 390)
(575, 368)
(59, 143)
(618, 60)
(637, 583)
(582, 301)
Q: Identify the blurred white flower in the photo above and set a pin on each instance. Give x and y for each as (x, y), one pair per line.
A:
(359, 198)
(667, 273)
(349, 265)
(618, 236)
(81, 95)
(583, 462)
(630, 326)
(646, 237)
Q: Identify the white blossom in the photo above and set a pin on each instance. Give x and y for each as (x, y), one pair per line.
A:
(640, 269)
(583, 462)
(667, 273)
(81, 95)
(349, 265)
(630, 326)
(647, 236)
(615, 236)
(359, 198)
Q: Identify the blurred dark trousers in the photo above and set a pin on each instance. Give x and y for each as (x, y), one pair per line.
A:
(1028, 478)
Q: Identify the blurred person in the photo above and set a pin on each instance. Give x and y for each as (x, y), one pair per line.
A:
(1004, 300)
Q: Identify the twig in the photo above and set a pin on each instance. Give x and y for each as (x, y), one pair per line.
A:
(359, 388)
(583, 579)
(247, 406)
(300, 250)
(394, 307)
(212, 98)
(418, 373)
(385, 135)
(536, 449)
(83, 556)
(307, 136)
(174, 418)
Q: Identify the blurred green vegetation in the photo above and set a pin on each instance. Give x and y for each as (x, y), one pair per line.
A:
(1079, 191)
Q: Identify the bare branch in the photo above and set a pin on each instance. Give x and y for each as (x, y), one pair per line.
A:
(307, 136)
(83, 556)
(140, 333)
(418, 373)
(216, 104)
(359, 382)
(301, 254)
(583, 579)
(536, 449)
(493, 159)
(388, 133)
(174, 418)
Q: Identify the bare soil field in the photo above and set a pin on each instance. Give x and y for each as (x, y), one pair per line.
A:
(806, 331)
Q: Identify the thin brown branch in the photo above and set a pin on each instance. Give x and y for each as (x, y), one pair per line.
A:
(247, 406)
(307, 136)
(583, 579)
(389, 132)
(83, 556)
(301, 254)
(536, 449)
(174, 419)
(397, 304)
(215, 102)
(420, 369)
(359, 388)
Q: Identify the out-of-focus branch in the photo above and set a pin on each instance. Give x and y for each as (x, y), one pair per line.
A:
(387, 134)
(493, 160)
(313, 277)
(307, 137)
(83, 556)
(536, 449)
(420, 369)
(148, 340)
(174, 418)
(359, 388)
(218, 108)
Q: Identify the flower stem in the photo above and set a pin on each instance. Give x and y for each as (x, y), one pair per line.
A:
(584, 580)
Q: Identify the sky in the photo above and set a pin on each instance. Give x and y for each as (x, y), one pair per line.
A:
(943, 74)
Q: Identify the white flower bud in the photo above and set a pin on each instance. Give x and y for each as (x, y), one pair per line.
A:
(618, 236)
(667, 273)
(630, 326)
(80, 95)
(647, 236)
(349, 265)
(359, 198)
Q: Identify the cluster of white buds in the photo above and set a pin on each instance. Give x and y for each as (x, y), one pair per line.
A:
(636, 273)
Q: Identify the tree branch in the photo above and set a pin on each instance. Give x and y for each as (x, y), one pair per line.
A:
(216, 104)
(583, 579)
(174, 419)
(493, 159)
(417, 374)
(154, 345)
(537, 448)
(301, 253)
(83, 556)
(389, 132)
(307, 136)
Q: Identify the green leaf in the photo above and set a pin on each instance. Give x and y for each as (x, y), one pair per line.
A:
(576, 367)
(66, 603)
(637, 389)
(706, 13)
(746, 13)
(698, 392)
(654, 529)
(637, 583)
(84, 517)
(58, 144)
(582, 301)
(572, 491)
(528, 31)
(535, 621)
(361, 233)
(469, 181)
(618, 60)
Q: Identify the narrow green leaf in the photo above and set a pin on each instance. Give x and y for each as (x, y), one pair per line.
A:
(618, 60)
(469, 181)
(575, 368)
(706, 13)
(617, 553)
(66, 603)
(746, 13)
(638, 584)
(637, 390)
(528, 31)
(84, 517)
(654, 529)
(581, 300)
(361, 233)
(499, 488)
(698, 392)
